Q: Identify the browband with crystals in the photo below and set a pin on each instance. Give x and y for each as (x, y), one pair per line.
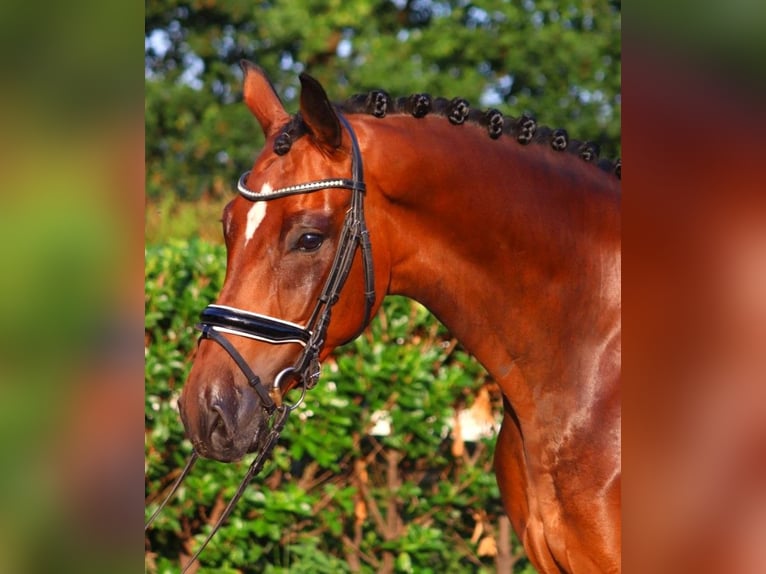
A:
(296, 189)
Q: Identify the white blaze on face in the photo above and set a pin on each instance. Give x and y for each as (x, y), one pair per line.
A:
(254, 218)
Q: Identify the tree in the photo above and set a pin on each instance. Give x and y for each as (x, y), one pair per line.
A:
(558, 62)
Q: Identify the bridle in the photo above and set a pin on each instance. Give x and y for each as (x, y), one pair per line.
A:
(218, 319)
(215, 320)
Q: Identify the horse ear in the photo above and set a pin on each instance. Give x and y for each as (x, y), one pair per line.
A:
(318, 113)
(262, 99)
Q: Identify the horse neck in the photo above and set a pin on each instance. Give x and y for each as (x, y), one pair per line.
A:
(514, 248)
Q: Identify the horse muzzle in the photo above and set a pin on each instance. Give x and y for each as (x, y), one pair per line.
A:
(224, 421)
(227, 409)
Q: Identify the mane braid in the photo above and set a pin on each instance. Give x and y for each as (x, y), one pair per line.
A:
(293, 130)
(524, 129)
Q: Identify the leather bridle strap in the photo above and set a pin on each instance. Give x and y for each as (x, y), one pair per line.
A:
(209, 332)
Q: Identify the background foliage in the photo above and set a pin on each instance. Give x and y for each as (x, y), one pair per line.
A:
(340, 497)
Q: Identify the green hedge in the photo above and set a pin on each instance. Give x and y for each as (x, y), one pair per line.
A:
(334, 498)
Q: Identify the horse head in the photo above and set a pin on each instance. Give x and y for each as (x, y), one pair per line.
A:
(297, 248)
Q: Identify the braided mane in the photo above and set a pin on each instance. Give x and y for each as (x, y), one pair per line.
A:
(524, 129)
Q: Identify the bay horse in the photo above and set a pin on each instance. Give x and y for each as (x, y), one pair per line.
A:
(508, 232)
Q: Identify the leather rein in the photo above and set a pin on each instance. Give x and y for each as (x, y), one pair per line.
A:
(215, 320)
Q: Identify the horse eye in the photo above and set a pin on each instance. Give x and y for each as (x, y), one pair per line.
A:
(309, 242)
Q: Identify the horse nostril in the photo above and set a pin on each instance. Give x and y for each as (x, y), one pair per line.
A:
(222, 421)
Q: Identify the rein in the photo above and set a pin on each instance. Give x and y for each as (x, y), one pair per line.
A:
(218, 319)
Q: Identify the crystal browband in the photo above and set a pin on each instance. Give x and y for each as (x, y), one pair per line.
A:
(295, 189)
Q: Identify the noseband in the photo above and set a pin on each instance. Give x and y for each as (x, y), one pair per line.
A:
(218, 319)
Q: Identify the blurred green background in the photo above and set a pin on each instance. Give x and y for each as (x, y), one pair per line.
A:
(71, 247)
